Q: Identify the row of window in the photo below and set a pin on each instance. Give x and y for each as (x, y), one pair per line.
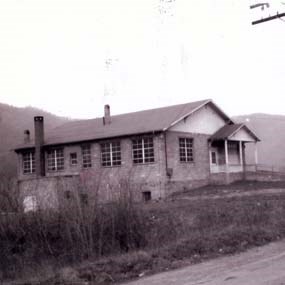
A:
(143, 152)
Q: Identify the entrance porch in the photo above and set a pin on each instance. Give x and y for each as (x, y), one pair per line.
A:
(227, 149)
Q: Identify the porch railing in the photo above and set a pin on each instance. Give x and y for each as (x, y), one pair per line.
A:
(265, 168)
(223, 168)
(261, 168)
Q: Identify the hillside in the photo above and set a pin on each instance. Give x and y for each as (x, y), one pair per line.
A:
(13, 122)
(271, 130)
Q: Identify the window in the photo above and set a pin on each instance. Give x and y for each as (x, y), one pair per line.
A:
(186, 149)
(143, 150)
(111, 154)
(67, 194)
(73, 158)
(214, 157)
(86, 156)
(84, 199)
(29, 162)
(55, 159)
(146, 196)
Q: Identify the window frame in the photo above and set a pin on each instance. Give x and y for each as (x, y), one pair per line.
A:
(30, 162)
(86, 157)
(111, 154)
(216, 157)
(187, 151)
(147, 152)
(73, 160)
(56, 156)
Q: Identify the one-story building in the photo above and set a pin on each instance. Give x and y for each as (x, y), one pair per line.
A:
(154, 152)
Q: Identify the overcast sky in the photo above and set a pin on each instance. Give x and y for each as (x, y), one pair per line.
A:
(70, 57)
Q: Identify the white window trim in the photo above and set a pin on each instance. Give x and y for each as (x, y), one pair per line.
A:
(72, 163)
(143, 152)
(55, 151)
(30, 169)
(216, 154)
(84, 155)
(111, 154)
(185, 150)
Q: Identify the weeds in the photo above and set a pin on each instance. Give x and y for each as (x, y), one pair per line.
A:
(124, 240)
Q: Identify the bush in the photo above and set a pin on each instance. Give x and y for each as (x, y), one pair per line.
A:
(71, 234)
(134, 238)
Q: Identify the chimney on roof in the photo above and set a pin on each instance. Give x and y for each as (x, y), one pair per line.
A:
(107, 115)
(39, 141)
(26, 136)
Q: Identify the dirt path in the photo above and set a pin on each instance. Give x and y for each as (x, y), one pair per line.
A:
(258, 266)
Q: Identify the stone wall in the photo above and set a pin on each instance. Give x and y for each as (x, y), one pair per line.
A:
(105, 182)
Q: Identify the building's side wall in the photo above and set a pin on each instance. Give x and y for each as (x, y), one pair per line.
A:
(204, 121)
(106, 182)
(190, 174)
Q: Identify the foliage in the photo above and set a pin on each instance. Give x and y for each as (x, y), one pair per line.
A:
(122, 240)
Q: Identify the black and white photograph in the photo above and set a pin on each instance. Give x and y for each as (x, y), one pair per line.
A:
(142, 142)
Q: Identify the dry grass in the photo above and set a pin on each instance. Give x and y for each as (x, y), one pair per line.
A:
(157, 237)
(236, 187)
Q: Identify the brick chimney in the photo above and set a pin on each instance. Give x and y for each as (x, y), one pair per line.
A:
(27, 136)
(39, 141)
(107, 115)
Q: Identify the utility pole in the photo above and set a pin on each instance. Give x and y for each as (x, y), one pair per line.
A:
(269, 18)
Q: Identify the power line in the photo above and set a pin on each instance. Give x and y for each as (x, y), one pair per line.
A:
(269, 18)
(277, 16)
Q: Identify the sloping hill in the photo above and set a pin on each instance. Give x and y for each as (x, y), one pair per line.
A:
(13, 122)
(271, 130)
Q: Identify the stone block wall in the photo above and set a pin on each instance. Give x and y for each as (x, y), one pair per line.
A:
(105, 182)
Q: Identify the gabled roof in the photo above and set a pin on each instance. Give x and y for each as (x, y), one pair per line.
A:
(147, 121)
(227, 131)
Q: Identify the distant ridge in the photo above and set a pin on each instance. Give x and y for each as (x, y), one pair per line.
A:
(271, 130)
(13, 122)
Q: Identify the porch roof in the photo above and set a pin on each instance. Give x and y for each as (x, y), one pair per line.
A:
(231, 130)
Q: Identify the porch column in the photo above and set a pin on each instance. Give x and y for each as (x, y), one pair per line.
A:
(227, 162)
(210, 159)
(255, 155)
(240, 153)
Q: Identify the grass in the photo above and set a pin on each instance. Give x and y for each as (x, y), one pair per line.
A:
(239, 186)
(178, 233)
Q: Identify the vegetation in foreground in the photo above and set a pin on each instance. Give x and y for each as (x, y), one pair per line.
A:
(99, 245)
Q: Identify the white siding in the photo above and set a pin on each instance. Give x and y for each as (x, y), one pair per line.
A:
(242, 135)
(204, 121)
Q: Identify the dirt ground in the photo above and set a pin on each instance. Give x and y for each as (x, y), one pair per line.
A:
(257, 266)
